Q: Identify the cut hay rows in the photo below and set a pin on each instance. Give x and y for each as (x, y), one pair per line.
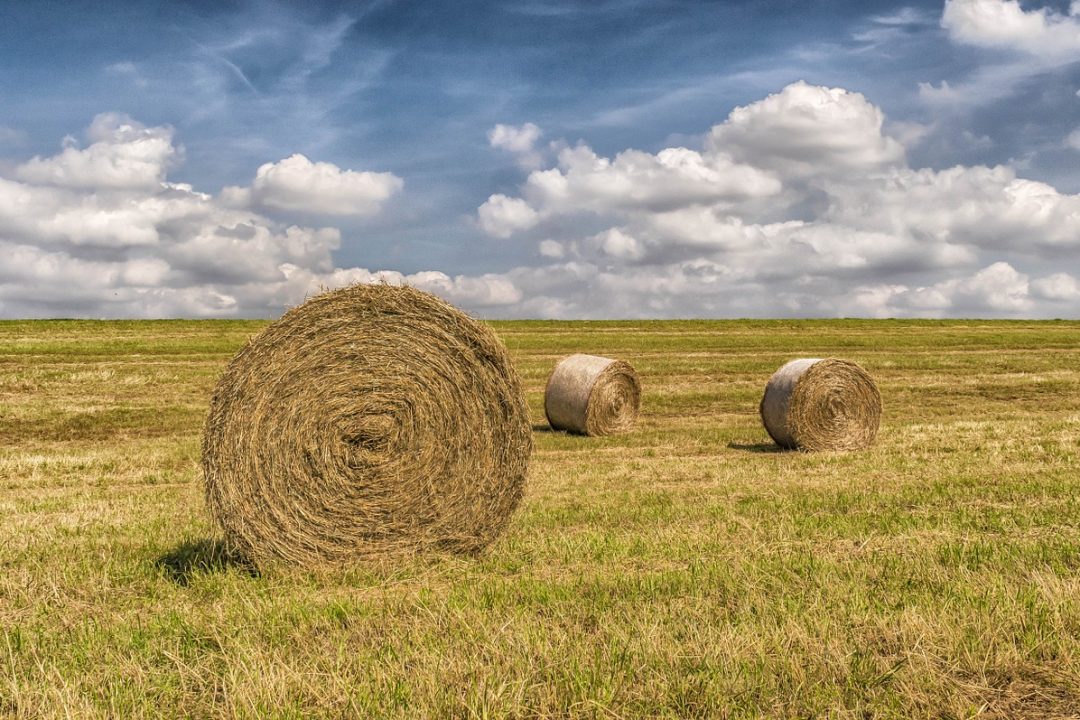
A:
(371, 420)
(815, 404)
(592, 395)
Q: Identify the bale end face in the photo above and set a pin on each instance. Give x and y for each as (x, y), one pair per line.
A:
(592, 395)
(814, 404)
(372, 420)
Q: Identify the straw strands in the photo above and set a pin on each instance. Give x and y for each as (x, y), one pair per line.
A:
(592, 395)
(815, 404)
(371, 420)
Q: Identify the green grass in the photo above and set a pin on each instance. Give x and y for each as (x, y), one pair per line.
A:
(685, 570)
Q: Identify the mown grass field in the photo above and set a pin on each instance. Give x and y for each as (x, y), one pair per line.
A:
(685, 570)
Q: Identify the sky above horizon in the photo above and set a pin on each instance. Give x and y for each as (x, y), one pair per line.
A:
(542, 158)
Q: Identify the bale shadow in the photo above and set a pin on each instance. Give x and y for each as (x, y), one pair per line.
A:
(757, 447)
(544, 428)
(202, 556)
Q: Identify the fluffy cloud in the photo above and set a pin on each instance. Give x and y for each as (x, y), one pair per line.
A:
(99, 231)
(807, 131)
(476, 292)
(584, 182)
(974, 207)
(123, 155)
(1027, 42)
(299, 185)
(705, 288)
(798, 204)
(997, 289)
(1058, 286)
(502, 216)
(551, 249)
(1040, 32)
(515, 139)
(519, 141)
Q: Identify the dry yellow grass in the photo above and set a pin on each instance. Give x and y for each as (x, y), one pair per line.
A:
(687, 569)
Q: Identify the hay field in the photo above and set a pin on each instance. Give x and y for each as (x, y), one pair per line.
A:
(685, 570)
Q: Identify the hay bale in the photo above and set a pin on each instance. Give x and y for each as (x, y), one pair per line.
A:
(371, 420)
(815, 404)
(592, 395)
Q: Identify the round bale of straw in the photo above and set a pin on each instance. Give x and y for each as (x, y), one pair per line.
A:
(369, 421)
(815, 404)
(592, 395)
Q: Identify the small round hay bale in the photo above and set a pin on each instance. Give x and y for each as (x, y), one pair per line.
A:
(815, 404)
(369, 421)
(592, 395)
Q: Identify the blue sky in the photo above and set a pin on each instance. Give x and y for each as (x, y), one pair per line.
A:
(936, 172)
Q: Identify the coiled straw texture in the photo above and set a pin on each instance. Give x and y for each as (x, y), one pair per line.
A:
(592, 395)
(815, 404)
(369, 421)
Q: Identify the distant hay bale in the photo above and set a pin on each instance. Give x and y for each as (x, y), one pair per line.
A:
(369, 421)
(592, 395)
(815, 404)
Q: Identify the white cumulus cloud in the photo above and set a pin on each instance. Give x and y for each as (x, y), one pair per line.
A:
(798, 204)
(1040, 32)
(1059, 286)
(519, 141)
(809, 131)
(100, 232)
(584, 182)
(319, 188)
(123, 154)
(997, 289)
(552, 249)
(502, 216)
(1021, 42)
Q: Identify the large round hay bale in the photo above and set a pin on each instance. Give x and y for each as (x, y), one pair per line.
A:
(371, 420)
(592, 395)
(816, 404)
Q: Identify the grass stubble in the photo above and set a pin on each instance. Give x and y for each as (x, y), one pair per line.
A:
(688, 569)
